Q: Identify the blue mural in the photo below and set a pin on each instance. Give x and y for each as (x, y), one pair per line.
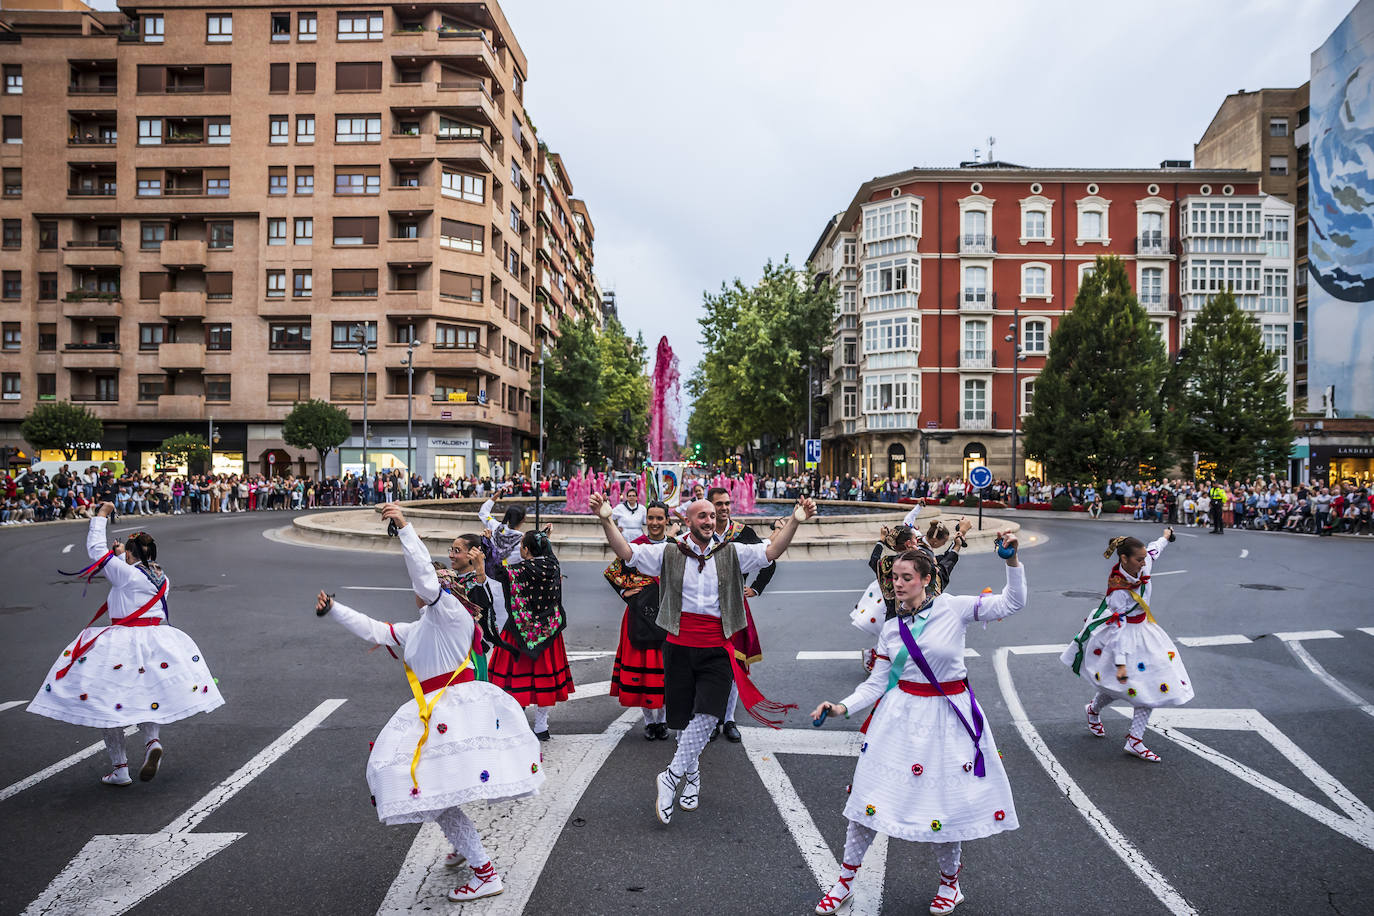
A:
(1340, 244)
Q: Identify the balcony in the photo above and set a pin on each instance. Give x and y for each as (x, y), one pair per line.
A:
(183, 252)
(977, 300)
(93, 253)
(1154, 245)
(82, 303)
(181, 356)
(179, 304)
(102, 187)
(478, 359)
(90, 356)
(975, 359)
(968, 421)
(977, 243)
(181, 406)
(471, 153)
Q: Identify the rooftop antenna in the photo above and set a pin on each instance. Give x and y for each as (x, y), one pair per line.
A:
(992, 141)
(975, 155)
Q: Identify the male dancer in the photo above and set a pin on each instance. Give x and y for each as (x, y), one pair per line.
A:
(701, 605)
(748, 649)
(637, 679)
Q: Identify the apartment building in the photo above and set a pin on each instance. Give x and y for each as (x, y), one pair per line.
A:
(936, 268)
(208, 210)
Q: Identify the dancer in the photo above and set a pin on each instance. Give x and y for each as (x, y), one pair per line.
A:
(1123, 652)
(701, 604)
(637, 678)
(469, 580)
(140, 670)
(930, 771)
(446, 748)
(748, 649)
(506, 533)
(529, 661)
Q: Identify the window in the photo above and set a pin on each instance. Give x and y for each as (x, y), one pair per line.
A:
(355, 230)
(975, 400)
(357, 128)
(1278, 127)
(276, 179)
(349, 386)
(281, 26)
(276, 284)
(1035, 224)
(278, 77)
(219, 337)
(305, 230)
(217, 131)
(11, 336)
(354, 283)
(463, 187)
(455, 337)
(307, 27)
(47, 235)
(154, 29)
(453, 285)
(886, 334)
(892, 220)
(975, 342)
(13, 234)
(302, 284)
(341, 334)
(149, 131)
(514, 218)
(450, 129)
(14, 79)
(12, 127)
(1278, 165)
(403, 333)
(13, 285)
(217, 387)
(14, 182)
(152, 336)
(358, 180)
(1035, 336)
(219, 27)
(287, 388)
(276, 231)
(305, 180)
(1276, 236)
(219, 285)
(47, 338)
(360, 26)
(406, 229)
(1274, 292)
(305, 78)
(358, 76)
(1091, 225)
(1276, 341)
(10, 383)
(1151, 233)
(1152, 287)
(288, 337)
(305, 129)
(220, 234)
(975, 229)
(47, 386)
(1027, 396)
(975, 285)
(279, 128)
(460, 236)
(1034, 281)
(47, 288)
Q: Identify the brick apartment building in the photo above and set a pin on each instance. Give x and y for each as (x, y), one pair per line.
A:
(206, 209)
(935, 267)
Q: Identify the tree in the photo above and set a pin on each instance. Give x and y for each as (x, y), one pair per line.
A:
(1098, 412)
(63, 426)
(318, 425)
(1229, 394)
(572, 388)
(187, 449)
(622, 413)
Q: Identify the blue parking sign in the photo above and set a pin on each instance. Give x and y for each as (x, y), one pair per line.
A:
(813, 452)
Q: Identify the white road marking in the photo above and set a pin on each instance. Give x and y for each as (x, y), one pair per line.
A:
(1244, 553)
(1054, 649)
(1300, 652)
(586, 691)
(814, 591)
(68, 548)
(1368, 630)
(56, 768)
(1229, 639)
(1299, 635)
(112, 874)
(584, 656)
(520, 834)
(1168, 572)
(763, 746)
(1097, 820)
(376, 588)
(1357, 823)
(11, 704)
(852, 655)
(1184, 534)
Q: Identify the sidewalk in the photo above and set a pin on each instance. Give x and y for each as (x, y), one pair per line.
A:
(1028, 516)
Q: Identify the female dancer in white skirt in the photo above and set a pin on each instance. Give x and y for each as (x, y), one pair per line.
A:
(929, 771)
(460, 740)
(1123, 652)
(139, 670)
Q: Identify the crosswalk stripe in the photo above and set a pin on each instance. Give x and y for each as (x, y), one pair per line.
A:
(1299, 635)
(1229, 639)
(1054, 649)
(1301, 654)
(58, 767)
(851, 655)
(11, 704)
(1368, 630)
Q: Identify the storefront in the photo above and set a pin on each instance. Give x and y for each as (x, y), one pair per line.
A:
(1338, 464)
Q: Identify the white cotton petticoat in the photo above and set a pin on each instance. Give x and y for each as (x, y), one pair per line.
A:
(131, 675)
(911, 781)
(479, 748)
(1154, 666)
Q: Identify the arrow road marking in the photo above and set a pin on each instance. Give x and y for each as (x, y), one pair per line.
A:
(525, 830)
(1301, 654)
(1357, 821)
(1244, 553)
(1135, 860)
(762, 746)
(111, 874)
(68, 548)
(1368, 630)
(58, 767)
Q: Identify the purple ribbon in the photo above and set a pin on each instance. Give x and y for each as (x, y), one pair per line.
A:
(975, 731)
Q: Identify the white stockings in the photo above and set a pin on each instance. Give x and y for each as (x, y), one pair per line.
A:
(462, 833)
(859, 838)
(948, 856)
(731, 703)
(1139, 718)
(654, 716)
(114, 745)
(690, 742)
(541, 718)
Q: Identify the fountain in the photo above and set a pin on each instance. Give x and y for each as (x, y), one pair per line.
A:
(663, 409)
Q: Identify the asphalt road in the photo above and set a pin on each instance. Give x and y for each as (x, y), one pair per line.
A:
(1262, 803)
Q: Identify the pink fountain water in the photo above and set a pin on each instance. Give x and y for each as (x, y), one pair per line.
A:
(664, 407)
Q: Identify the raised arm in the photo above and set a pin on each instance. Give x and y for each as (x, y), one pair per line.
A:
(418, 564)
(1013, 597)
(116, 571)
(619, 546)
(484, 513)
(781, 539)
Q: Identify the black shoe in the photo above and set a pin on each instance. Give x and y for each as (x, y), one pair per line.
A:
(732, 733)
(651, 731)
(715, 732)
(542, 736)
(662, 731)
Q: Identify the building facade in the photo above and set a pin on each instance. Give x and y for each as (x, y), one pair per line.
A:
(207, 211)
(937, 268)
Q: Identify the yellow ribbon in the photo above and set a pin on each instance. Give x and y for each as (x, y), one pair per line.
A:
(1145, 607)
(426, 710)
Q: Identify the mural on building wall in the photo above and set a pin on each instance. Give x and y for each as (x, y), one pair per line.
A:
(1340, 306)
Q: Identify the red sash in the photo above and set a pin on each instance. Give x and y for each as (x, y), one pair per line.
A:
(701, 631)
(431, 684)
(135, 619)
(922, 689)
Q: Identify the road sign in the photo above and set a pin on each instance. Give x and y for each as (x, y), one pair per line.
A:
(813, 452)
(271, 457)
(980, 477)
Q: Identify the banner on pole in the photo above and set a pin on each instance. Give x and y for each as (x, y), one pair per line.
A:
(663, 482)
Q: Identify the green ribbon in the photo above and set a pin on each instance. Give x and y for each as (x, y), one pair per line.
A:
(1085, 634)
(899, 661)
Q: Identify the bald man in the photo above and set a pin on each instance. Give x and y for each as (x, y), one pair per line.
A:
(701, 604)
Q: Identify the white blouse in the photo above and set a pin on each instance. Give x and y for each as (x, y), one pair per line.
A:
(130, 587)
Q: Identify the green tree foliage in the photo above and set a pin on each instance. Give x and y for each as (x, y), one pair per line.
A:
(1229, 394)
(187, 449)
(572, 388)
(317, 425)
(622, 414)
(1098, 411)
(759, 341)
(61, 425)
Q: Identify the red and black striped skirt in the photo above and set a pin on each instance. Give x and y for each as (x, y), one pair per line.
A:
(638, 676)
(541, 681)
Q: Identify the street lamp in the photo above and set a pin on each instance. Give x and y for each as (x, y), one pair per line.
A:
(409, 362)
(1014, 338)
(360, 335)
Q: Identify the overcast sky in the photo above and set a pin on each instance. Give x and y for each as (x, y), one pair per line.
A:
(709, 137)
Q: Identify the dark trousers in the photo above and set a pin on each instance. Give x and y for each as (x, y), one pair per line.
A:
(694, 681)
(1216, 517)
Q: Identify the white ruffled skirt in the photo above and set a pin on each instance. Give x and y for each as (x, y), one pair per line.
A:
(1154, 666)
(131, 675)
(479, 748)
